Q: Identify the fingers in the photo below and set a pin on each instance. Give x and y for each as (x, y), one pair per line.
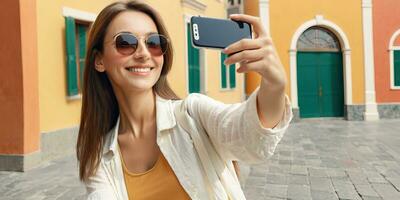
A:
(244, 44)
(244, 56)
(254, 21)
(256, 66)
(250, 55)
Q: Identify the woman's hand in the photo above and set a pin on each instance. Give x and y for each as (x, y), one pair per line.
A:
(259, 55)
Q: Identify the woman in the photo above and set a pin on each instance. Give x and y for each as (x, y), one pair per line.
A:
(132, 145)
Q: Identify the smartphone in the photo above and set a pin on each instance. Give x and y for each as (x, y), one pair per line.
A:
(217, 33)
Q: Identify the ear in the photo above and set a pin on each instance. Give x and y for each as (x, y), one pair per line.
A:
(98, 62)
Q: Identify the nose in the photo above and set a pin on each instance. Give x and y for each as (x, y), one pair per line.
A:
(142, 52)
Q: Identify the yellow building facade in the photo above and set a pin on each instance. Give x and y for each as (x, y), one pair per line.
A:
(57, 115)
(347, 22)
(53, 102)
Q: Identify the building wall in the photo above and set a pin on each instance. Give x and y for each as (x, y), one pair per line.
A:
(386, 22)
(286, 16)
(56, 112)
(18, 86)
(252, 78)
(11, 91)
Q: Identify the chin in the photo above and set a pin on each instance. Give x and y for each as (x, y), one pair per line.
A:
(141, 87)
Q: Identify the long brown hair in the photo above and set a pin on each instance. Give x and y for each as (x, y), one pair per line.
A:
(100, 109)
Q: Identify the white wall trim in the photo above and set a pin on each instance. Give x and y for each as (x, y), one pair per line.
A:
(392, 48)
(293, 78)
(264, 15)
(320, 21)
(194, 4)
(396, 48)
(202, 59)
(366, 4)
(78, 14)
(74, 97)
(371, 109)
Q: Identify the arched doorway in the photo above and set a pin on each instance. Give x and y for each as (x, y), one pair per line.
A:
(320, 74)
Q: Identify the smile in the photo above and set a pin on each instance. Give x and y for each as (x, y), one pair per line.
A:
(137, 69)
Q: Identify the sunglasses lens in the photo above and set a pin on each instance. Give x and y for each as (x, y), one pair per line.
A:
(126, 44)
(157, 44)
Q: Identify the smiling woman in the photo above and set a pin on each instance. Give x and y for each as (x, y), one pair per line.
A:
(137, 140)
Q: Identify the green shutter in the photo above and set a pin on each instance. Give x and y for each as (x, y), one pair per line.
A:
(223, 71)
(194, 65)
(232, 76)
(72, 82)
(396, 67)
(82, 29)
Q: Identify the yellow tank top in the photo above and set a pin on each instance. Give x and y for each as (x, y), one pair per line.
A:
(160, 182)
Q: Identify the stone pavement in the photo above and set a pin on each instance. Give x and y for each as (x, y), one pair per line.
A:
(55, 180)
(317, 159)
(331, 159)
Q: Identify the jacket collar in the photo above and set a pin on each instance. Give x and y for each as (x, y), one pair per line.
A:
(165, 119)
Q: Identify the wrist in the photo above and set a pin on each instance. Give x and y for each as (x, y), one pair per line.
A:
(276, 88)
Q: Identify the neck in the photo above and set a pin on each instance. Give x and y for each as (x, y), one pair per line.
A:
(137, 111)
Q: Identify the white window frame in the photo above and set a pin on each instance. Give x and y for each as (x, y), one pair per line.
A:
(393, 48)
(82, 16)
(78, 14)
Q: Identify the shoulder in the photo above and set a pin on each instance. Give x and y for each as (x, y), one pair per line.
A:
(196, 97)
(197, 104)
(195, 100)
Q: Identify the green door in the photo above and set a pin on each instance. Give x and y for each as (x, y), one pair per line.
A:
(320, 84)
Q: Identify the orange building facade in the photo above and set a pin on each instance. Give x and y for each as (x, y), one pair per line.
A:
(386, 23)
(19, 98)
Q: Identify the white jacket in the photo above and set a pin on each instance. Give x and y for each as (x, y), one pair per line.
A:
(234, 131)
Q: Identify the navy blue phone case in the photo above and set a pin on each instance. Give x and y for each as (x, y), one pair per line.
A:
(217, 33)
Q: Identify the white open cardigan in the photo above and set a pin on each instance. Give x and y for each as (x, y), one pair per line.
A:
(199, 137)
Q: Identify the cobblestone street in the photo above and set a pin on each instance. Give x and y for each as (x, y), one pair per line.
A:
(332, 159)
(317, 159)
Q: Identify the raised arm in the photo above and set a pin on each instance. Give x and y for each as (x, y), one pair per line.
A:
(259, 55)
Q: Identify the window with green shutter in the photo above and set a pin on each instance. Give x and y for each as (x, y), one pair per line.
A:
(228, 74)
(193, 65)
(396, 56)
(75, 40)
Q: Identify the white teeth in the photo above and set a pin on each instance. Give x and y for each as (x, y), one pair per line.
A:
(132, 69)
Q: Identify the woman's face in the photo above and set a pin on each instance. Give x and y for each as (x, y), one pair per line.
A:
(123, 70)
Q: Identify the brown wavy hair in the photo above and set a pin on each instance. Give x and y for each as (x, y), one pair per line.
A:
(100, 109)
